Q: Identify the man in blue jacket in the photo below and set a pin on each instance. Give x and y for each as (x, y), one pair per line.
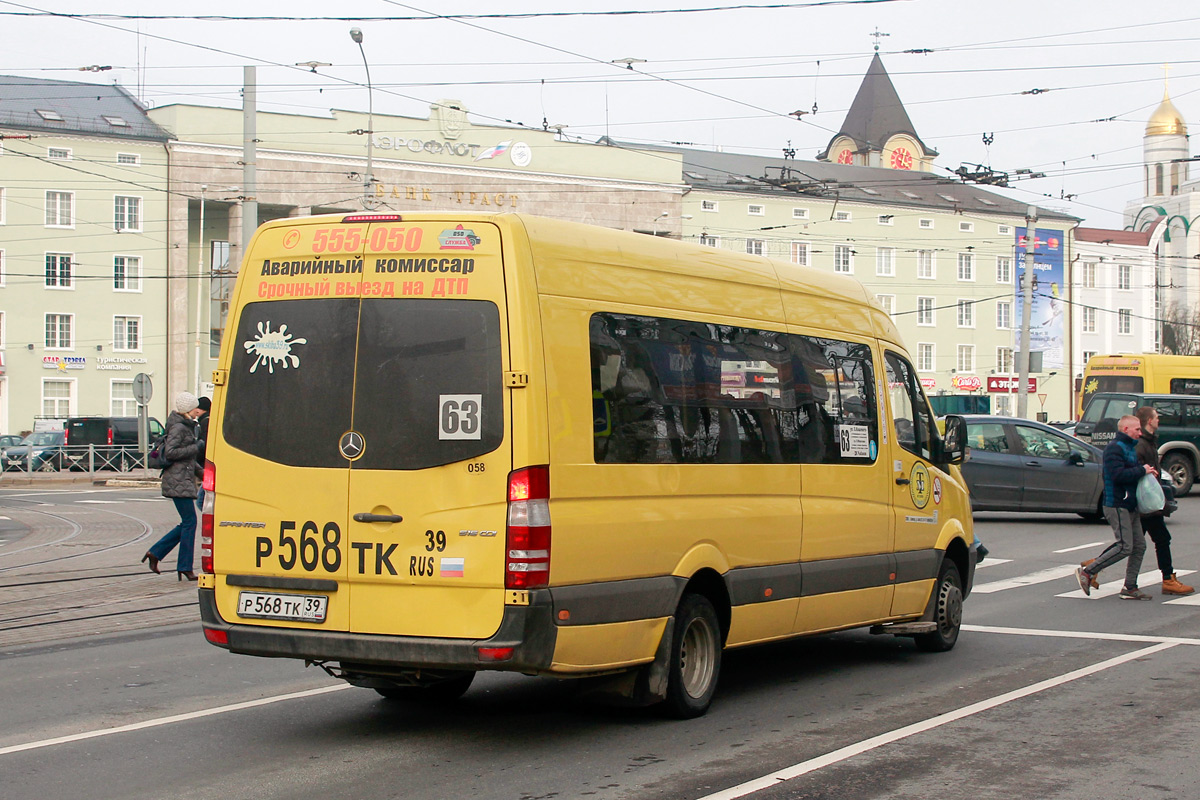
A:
(1121, 475)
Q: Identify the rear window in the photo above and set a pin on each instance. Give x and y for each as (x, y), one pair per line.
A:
(427, 389)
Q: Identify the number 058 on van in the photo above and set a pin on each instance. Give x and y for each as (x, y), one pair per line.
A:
(445, 443)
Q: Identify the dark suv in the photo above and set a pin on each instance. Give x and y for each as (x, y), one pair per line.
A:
(114, 440)
(1178, 428)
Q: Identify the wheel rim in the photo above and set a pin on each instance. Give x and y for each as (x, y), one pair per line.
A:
(697, 657)
(949, 609)
(1178, 473)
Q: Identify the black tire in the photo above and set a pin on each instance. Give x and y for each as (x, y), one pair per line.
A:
(49, 465)
(125, 463)
(446, 691)
(947, 611)
(1179, 468)
(695, 660)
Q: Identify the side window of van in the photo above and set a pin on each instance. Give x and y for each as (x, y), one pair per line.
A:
(1170, 412)
(912, 418)
(1191, 415)
(679, 392)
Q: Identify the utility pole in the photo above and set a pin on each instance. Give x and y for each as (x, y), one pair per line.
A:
(200, 292)
(1031, 217)
(249, 158)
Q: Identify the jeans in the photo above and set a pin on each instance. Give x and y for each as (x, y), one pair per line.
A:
(1156, 529)
(183, 534)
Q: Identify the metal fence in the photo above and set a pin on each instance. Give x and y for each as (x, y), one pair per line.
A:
(82, 458)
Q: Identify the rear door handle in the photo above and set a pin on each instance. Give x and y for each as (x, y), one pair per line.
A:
(365, 517)
(1033, 464)
(903, 481)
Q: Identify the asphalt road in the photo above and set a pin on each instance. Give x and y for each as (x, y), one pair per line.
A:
(1047, 695)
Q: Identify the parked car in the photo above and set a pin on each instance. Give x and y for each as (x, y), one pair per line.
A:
(113, 439)
(1178, 429)
(9, 440)
(43, 447)
(1020, 465)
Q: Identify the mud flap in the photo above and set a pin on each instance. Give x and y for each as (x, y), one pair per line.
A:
(643, 686)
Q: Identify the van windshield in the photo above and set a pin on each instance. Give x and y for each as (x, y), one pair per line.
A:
(419, 379)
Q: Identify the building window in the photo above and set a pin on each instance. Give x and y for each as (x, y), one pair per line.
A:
(127, 213)
(925, 311)
(755, 247)
(925, 224)
(756, 210)
(1124, 321)
(1089, 319)
(219, 292)
(709, 205)
(1087, 274)
(1004, 314)
(887, 219)
(126, 334)
(1, 205)
(122, 402)
(710, 241)
(1, 268)
(56, 398)
(966, 314)
(1004, 270)
(1004, 230)
(841, 216)
(888, 301)
(925, 265)
(1124, 276)
(800, 253)
(925, 357)
(58, 332)
(58, 271)
(60, 209)
(1004, 359)
(1, 330)
(132, 159)
(1088, 355)
(966, 358)
(966, 227)
(885, 261)
(799, 213)
(966, 266)
(843, 259)
(127, 273)
(58, 153)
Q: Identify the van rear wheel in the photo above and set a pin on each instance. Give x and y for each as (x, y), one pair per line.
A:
(947, 611)
(446, 691)
(695, 661)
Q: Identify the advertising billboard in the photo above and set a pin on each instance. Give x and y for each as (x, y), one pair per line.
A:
(1047, 311)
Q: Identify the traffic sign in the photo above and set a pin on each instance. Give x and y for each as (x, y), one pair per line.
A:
(142, 388)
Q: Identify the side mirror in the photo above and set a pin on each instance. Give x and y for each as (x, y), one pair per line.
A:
(1076, 458)
(954, 440)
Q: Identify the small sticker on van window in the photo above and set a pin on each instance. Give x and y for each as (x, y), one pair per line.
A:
(460, 416)
(273, 347)
(854, 441)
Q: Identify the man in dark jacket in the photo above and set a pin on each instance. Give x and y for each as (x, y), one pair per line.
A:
(1121, 475)
(205, 406)
(1155, 524)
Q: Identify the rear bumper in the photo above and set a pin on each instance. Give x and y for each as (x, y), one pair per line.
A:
(529, 630)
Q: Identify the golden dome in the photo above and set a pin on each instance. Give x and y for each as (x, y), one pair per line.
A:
(1166, 119)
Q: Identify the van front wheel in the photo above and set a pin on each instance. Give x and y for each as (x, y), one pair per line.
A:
(695, 658)
(1179, 468)
(947, 611)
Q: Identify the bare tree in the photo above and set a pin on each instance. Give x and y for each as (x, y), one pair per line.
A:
(1180, 329)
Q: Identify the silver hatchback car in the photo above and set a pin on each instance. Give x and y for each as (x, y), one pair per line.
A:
(1016, 464)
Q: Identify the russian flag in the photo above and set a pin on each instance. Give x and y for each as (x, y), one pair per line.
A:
(451, 568)
(492, 152)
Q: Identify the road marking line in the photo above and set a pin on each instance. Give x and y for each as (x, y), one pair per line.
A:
(992, 562)
(844, 753)
(1110, 588)
(104, 502)
(1186, 600)
(7, 518)
(154, 723)
(1098, 636)
(1041, 576)
(1087, 546)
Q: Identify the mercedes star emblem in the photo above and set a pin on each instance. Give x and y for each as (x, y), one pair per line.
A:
(352, 445)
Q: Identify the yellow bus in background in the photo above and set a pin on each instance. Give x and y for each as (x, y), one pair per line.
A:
(1152, 373)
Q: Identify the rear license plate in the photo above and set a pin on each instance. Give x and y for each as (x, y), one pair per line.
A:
(297, 607)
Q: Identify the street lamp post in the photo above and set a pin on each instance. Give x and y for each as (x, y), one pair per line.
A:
(200, 295)
(1031, 218)
(357, 35)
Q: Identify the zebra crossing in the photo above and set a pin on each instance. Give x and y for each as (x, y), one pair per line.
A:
(1147, 581)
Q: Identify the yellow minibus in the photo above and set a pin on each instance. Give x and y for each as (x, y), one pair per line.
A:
(445, 443)
(1149, 373)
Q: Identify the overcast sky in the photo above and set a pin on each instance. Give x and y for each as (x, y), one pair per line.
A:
(726, 78)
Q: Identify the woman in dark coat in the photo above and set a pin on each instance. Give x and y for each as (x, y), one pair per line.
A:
(179, 484)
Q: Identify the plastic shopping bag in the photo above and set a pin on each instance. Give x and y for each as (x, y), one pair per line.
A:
(1150, 497)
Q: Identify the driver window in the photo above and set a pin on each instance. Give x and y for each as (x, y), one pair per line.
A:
(1042, 443)
(911, 416)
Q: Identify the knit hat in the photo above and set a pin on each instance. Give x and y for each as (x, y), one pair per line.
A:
(185, 402)
(205, 403)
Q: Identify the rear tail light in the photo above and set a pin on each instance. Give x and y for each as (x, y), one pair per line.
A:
(66, 436)
(206, 517)
(527, 538)
(110, 437)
